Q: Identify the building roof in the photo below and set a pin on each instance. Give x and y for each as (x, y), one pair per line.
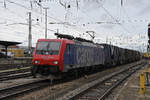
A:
(8, 43)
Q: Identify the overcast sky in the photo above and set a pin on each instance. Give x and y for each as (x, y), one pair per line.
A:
(119, 22)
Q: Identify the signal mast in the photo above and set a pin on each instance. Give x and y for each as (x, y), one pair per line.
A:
(148, 46)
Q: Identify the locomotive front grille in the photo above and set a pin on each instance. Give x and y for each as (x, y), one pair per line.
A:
(46, 70)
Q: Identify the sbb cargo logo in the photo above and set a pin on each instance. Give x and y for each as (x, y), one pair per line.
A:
(84, 56)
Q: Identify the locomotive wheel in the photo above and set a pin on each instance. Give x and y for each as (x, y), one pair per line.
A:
(33, 71)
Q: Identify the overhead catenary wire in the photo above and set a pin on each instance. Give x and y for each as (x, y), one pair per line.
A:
(10, 29)
(115, 19)
(30, 9)
(16, 23)
(14, 13)
(35, 11)
(38, 12)
(68, 24)
(75, 27)
(124, 10)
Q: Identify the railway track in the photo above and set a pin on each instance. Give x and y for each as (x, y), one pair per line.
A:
(17, 90)
(13, 91)
(16, 62)
(14, 73)
(101, 88)
(74, 92)
(12, 66)
(15, 76)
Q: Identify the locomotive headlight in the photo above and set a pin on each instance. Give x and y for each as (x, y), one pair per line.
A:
(55, 62)
(36, 62)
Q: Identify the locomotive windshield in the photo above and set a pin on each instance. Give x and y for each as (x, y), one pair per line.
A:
(48, 48)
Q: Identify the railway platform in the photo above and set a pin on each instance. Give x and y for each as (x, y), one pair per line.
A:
(130, 90)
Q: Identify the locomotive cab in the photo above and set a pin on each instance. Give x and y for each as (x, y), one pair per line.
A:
(46, 57)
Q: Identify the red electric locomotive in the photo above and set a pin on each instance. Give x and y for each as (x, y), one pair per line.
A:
(48, 56)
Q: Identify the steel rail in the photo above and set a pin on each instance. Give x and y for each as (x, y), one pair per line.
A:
(12, 66)
(106, 93)
(14, 71)
(12, 91)
(15, 76)
(81, 90)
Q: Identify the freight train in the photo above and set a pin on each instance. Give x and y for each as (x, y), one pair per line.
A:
(68, 54)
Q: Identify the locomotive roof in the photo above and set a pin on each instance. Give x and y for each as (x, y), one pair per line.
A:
(72, 42)
(57, 40)
(70, 37)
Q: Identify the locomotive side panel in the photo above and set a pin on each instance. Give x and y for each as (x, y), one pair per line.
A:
(69, 57)
(84, 56)
(88, 56)
(121, 56)
(107, 54)
(99, 56)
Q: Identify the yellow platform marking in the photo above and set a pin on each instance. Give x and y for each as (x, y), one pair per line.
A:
(142, 84)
